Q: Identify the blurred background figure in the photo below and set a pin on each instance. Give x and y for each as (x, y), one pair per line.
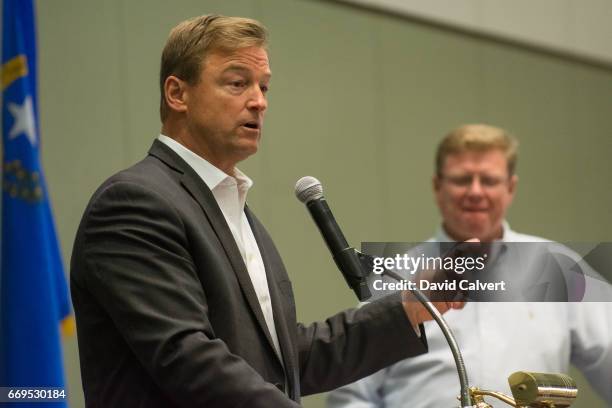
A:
(474, 183)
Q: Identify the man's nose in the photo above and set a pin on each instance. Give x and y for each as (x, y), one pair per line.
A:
(257, 99)
(475, 188)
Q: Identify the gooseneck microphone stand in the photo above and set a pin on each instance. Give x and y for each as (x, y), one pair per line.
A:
(448, 334)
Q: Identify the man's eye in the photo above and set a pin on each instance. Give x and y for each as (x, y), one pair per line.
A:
(460, 180)
(237, 84)
(490, 181)
(264, 89)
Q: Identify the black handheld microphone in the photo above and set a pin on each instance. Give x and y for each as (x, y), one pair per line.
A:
(310, 192)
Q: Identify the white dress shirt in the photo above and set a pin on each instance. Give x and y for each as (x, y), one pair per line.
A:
(496, 339)
(230, 194)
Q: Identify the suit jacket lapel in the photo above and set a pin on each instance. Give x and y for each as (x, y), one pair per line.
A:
(278, 308)
(202, 194)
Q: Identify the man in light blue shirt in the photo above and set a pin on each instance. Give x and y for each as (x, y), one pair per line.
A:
(474, 185)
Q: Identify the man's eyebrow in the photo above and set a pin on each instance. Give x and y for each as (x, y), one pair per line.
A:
(244, 70)
(239, 68)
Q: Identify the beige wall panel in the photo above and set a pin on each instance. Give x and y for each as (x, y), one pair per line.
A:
(430, 83)
(591, 128)
(546, 22)
(81, 119)
(577, 28)
(527, 94)
(81, 114)
(589, 26)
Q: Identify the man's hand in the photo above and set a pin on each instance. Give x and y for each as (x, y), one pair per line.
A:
(417, 313)
(442, 300)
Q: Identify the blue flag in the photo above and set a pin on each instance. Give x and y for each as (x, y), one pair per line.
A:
(33, 294)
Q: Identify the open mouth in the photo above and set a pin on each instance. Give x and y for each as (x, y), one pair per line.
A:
(251, 125)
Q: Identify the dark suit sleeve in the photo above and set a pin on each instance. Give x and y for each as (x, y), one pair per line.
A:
(134, 259)
(356, 343)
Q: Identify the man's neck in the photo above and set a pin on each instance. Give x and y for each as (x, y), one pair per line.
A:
(182, 136)
(499, 234)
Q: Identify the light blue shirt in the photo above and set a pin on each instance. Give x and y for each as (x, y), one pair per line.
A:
(496, 339)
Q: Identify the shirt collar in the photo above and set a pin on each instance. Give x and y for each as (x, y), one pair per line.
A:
(507, 234)
(210, 174)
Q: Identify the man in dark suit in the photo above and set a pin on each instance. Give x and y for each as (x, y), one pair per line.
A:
(180, 296)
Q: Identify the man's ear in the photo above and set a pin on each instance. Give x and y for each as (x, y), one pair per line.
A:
(435, 182)
(512, 185)
(175, 94)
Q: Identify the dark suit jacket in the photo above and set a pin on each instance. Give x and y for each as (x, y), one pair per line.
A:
(167, 315)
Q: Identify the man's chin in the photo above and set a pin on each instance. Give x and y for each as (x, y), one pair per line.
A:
(246, 150)
(475, 229)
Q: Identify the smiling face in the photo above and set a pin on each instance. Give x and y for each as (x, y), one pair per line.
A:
(473, 192)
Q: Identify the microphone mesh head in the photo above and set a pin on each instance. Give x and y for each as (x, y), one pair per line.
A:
(308, 189)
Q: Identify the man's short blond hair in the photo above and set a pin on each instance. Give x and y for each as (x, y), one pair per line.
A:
(191, 40)
(477, 138)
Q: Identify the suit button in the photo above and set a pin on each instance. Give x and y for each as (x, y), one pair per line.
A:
(280, 387)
